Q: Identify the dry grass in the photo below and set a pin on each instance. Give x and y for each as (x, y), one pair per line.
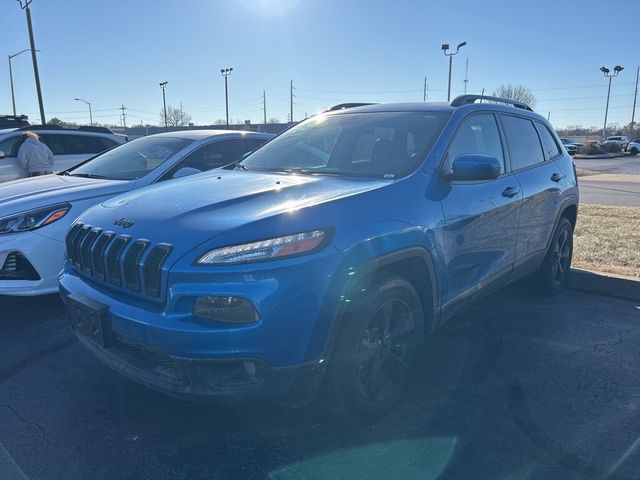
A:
(607, 239)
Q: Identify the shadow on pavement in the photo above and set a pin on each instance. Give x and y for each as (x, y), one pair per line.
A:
(516, 387)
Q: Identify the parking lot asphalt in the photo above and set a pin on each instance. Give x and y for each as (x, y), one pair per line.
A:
(517, 387)
(628, 165)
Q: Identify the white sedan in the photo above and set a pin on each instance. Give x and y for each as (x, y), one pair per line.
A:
(35, 213)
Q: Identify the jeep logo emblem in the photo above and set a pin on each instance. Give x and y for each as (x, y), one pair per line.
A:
(123, 222)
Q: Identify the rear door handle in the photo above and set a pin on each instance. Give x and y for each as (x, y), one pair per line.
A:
(556, 177)
(510, 192)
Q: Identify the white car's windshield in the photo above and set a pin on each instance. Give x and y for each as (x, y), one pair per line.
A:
(131, 160)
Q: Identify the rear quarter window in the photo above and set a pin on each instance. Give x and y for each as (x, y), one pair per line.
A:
(551, 149)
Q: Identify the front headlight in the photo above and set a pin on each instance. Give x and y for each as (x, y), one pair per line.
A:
(278, 247)
(33, 219)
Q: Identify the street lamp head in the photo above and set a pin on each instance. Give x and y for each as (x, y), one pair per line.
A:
(163, 84)
(618, 68)
(460, 45)
(222, 71)
(77, 99)
(445, 47)
(604, 70)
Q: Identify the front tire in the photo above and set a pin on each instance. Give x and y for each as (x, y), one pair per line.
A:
(375, 350)
(633, 151)
(553, 274)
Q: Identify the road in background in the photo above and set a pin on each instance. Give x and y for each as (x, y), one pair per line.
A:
(516, 387)
(617, 185)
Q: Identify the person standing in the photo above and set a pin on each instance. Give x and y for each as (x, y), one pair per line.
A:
(34, 156)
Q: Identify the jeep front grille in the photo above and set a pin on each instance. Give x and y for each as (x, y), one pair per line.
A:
(117, 260)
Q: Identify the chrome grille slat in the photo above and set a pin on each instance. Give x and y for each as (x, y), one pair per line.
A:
(117, 260)
(152, 271)
(131, 264)
(114, 271)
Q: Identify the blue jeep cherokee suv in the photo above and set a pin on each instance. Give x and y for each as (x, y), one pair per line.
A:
(323, 259)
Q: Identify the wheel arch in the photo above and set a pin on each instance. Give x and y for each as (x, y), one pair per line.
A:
(413, 263)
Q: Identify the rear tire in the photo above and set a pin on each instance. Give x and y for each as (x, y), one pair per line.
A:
(374, 352)
(633, 151)
(552, 276)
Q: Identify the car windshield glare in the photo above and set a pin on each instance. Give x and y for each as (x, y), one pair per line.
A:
(377, 145)
(133, 159)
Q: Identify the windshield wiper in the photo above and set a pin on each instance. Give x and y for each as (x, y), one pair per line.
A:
(234, 165)
(87, 175)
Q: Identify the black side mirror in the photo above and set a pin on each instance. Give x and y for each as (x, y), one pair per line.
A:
(473, 166)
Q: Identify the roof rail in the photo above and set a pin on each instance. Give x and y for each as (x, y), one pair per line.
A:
(343, 106)
(88, 128)
(41, 127)
(71, 129)
(469, 99)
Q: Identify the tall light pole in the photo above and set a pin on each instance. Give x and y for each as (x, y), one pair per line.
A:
(13, 98)
(607, 73)
(163, 85)
(90, 115)
(32, 42)
(445, 47)
(225, 73)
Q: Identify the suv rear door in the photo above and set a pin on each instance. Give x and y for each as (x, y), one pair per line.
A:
(533, 155)
(481, 217)
(10, 168)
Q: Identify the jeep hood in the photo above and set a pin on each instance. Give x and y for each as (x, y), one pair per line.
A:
(195, 209)
(27, 193)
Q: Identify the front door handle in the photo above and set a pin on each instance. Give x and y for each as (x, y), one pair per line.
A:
(510, 192)
(556, 177)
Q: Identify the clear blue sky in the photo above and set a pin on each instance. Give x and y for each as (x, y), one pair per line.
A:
(115, 52)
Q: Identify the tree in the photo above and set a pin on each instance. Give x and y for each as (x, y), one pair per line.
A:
(56, 121)
(519, 93)
(273, 120)
(220, 121)
(176, 117)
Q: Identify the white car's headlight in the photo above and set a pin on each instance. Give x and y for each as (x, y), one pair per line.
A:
(278, 247)
(32, 219)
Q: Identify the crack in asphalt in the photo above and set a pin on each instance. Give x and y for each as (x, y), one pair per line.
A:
(15, 412)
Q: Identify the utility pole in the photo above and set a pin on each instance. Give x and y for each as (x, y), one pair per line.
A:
(25, 7)
(163, 85)
(424, 91)
(548, 115)
(264, 106)
(466, 76)
(291, 101)
(124, 116)
(635, 96)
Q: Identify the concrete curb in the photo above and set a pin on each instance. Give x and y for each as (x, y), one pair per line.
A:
(601, 156)
(604, 284)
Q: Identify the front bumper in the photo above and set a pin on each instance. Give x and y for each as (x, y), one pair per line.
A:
(46, 255)
(165, 347)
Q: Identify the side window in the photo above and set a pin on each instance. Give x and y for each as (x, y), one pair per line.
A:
(549, 144)
(212, 155)
(57, 143)
(523, 142)
(476, 134)
(85, 144)
(253, 143)
(7, 147)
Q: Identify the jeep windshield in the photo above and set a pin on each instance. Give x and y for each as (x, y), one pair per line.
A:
(377, 145)
(131, 160)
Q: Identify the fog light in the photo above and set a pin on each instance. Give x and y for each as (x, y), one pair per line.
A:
(225, 309)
